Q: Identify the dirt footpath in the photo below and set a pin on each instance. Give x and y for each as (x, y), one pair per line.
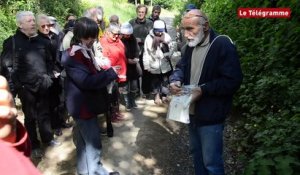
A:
(145, 143)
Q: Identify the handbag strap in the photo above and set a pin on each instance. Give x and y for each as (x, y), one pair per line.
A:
(209, 49)
(13, 52)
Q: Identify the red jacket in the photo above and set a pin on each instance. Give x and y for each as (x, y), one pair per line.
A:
(22, 143)
(12, 162)
(115, 52)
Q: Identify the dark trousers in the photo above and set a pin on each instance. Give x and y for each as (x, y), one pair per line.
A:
(146, 82)
(35, 106)
(56, 104)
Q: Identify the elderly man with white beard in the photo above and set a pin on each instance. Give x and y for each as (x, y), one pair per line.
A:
(210, 62)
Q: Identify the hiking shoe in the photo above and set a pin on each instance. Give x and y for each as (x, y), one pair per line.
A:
(58, 132)
(66, 125)
(54, 143)
(36, 153)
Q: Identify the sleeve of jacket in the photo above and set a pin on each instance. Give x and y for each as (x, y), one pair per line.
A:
(177, 74)
(85, 80)
(147, 52)
(6, 56)
(229, 72)
(137, 49)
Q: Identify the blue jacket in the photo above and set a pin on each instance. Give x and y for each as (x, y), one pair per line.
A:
(220, 79)
(81, 81)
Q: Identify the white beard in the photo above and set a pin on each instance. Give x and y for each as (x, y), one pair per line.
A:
(198, 38)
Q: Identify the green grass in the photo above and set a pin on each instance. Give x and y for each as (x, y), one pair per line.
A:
(124, 10)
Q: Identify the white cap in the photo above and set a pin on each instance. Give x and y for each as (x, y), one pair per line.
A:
(52, 19)
(159, 24)
(126, 29)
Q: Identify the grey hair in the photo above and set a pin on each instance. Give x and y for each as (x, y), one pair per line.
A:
(114, 19)
(100, 8)
(21, 14)
(93, 12)
(113, 27)
(203, 19)
(41, 17)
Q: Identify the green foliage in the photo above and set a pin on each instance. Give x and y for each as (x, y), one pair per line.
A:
(269, 96)
(182, 7)
(56, 8)
(60, 9)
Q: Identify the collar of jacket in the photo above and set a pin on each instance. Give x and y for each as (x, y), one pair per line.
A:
(21, 34)
(138, 21)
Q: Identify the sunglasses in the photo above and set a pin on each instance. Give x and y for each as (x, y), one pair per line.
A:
(115, 34)
(47, 25)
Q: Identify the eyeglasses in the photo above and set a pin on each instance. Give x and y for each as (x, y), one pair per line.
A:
(47, 25)
(115, 34)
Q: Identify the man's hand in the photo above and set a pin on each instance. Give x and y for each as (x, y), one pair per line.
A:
(8, 113)
(133, 61)
(196, 94)
(138, 40)
(175, 88)
(117, 68)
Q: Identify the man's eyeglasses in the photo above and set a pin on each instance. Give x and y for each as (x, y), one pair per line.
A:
(47, 25)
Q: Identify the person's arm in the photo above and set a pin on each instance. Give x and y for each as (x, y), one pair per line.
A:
(85, 80)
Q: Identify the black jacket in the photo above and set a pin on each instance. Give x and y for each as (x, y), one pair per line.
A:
(32, 65)
(131, 51)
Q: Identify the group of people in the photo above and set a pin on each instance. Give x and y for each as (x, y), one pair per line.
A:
(93, 64)
(30, 62)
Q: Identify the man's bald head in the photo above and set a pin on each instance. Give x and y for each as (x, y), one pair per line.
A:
(195, 26)
(196, 13)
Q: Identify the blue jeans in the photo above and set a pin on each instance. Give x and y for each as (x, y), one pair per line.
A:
(207, 148)
(86, 136)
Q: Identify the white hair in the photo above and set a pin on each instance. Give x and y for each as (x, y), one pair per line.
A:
(113, 27)
(41, 17)
(21, 14)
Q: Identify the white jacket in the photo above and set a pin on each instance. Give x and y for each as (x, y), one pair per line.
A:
(154, 60)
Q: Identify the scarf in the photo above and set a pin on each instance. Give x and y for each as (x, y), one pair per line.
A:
(99, 63)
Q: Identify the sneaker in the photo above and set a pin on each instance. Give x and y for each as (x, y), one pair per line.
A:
(133, 104)
(114, 119)
(54, 143)
(119, 115)
(36, 153)
(66, 125)
(103, 132)
(58, 132)
(114, 173)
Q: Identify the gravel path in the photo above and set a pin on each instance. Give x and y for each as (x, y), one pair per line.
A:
(145, 143)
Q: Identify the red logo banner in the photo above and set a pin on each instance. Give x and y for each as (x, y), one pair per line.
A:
(264, 12)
